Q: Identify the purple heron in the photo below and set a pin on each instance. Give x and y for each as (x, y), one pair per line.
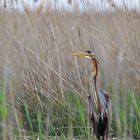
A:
(99, 104)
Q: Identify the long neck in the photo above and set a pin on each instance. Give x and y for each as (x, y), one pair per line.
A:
(95, 74)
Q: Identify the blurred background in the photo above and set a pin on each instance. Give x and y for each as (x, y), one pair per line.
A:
(44, 90)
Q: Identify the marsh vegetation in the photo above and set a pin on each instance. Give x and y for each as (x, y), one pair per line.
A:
(43, 92)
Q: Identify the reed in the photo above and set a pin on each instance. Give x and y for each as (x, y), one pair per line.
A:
(43, 91)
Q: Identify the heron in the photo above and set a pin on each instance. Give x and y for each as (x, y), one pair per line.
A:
(99, 103)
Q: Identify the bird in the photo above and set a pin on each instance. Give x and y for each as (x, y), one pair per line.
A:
(99, 102)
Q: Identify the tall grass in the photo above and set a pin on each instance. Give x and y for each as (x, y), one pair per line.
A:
(45, 90)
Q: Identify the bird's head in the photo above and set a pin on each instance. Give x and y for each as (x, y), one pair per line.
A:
(87, 54)
(91, 56)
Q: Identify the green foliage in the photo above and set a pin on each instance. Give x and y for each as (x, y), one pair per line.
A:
(40, 126)
(28, 116)
(3, 107)
(70, 117)
(3, 111)
(126, 113)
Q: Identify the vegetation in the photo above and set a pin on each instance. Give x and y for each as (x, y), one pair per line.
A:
(43, 92)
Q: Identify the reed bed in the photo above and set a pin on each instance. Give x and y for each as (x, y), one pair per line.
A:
(44, 90)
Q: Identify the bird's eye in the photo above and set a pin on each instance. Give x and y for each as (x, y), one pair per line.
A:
(88, 51)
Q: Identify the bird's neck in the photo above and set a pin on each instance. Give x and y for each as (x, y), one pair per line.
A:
(95, 73)
(95, 78)
(95, 68)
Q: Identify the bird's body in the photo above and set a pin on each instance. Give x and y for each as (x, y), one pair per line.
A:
(99, 104)
(101, 118)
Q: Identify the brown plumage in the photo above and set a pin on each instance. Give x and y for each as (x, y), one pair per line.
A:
(99, 104)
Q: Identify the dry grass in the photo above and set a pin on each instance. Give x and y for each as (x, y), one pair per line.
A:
(39, 72)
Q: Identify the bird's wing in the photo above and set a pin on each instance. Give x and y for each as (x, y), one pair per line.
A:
(102, 98)
(103, 102)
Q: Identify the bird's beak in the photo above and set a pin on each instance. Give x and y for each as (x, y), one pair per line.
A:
(82, 54)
